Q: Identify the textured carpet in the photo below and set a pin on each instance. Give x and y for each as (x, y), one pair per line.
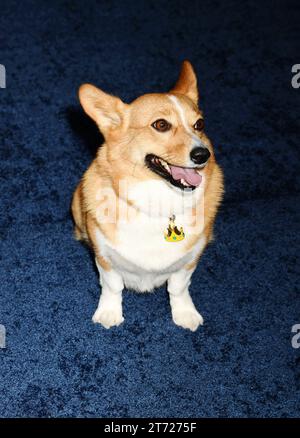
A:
(241, 363)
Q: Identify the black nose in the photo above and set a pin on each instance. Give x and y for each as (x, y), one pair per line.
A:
(199, 155)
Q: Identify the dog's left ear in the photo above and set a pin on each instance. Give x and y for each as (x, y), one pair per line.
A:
(187, 82)
(109, 112)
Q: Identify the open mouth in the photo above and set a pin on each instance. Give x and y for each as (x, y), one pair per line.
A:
(182, 177)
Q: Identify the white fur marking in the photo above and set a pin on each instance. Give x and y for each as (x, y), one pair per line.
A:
(181, 113)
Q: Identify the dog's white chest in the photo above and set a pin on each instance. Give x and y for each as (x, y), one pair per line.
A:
(142, 242)
(140, 251)
(142, 255)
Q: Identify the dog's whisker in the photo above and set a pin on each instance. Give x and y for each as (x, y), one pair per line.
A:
(168, 158)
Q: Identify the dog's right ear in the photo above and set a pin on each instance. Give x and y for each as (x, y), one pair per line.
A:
(109, 112)
(187, 82)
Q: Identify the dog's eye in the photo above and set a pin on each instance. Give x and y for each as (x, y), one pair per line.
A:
(199, 125)
(161, 125)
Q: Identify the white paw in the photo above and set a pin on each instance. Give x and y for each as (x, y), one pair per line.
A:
(108, 317)
(187, 318)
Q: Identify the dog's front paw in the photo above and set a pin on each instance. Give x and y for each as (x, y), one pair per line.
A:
(108, 317)
(187, 318)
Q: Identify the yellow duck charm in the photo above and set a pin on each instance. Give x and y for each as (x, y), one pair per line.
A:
(173, 234)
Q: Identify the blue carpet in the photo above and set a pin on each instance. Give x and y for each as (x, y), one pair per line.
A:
(241, 363)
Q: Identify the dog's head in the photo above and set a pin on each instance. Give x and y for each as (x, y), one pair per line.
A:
(157, 135)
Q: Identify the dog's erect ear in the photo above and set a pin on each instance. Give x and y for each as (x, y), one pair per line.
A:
(109, 112)
(187, 82)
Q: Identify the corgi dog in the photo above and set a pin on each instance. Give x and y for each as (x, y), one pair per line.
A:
(147, 203)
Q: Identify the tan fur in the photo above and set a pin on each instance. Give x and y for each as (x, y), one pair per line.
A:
(79, 214)
(187, 83)
(91, 226)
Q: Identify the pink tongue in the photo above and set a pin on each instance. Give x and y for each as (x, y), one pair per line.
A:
(189, 175)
